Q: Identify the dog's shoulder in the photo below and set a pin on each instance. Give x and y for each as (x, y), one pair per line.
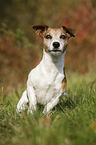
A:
(35, 75)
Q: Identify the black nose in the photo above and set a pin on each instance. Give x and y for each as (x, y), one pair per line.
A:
(56, 44)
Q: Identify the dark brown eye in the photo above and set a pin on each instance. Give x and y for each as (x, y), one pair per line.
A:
(63, 36)
(48, 37)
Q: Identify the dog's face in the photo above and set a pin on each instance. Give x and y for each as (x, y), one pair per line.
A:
(55, 40)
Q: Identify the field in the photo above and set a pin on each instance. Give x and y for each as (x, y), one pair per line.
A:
(71, 122)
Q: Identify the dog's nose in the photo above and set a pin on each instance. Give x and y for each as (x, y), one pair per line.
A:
(56, 44)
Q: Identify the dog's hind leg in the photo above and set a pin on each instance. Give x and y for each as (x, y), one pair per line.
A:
(23, 103)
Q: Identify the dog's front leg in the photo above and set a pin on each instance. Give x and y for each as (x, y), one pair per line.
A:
(51, 104)
(32, 99)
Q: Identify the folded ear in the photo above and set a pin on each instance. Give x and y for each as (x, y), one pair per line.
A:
(40, 29)
(70, 31)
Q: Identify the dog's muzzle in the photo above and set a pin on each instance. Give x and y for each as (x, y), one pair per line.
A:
(56, 46)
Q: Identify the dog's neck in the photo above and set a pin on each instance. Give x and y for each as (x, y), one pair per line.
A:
(53, 63)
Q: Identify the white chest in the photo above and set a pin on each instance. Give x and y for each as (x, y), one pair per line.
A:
(46, 78)
(46, 89)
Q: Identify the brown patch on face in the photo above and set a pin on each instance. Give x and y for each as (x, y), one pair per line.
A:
(46, 48)
(65, 46)
(45, 45)
(64, 81)
(65, 41)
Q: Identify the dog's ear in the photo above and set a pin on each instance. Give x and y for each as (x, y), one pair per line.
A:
(40, 29)
(70, 31)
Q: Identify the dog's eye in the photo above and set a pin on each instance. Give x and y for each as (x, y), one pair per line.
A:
(63, 36)
(48, 37)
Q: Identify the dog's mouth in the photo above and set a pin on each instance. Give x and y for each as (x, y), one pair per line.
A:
(55, 50)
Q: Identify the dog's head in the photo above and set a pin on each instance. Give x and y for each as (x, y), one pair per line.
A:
(55, 40)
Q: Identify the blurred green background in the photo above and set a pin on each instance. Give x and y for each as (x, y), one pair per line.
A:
(21, 49)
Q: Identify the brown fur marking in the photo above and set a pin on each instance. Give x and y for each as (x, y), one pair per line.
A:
(64, 81)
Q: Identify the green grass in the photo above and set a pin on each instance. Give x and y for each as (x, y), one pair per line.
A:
(72, 122)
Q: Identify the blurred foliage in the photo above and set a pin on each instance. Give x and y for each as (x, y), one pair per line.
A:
(21, 40)
(20, 48)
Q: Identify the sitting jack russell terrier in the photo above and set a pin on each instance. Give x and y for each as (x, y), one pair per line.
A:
(47, 81)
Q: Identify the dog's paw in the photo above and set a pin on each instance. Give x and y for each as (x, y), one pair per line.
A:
(30, 111)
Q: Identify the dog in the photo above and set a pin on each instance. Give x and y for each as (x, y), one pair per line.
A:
(46, 83)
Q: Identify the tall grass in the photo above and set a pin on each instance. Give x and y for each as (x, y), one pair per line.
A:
(71, 122)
